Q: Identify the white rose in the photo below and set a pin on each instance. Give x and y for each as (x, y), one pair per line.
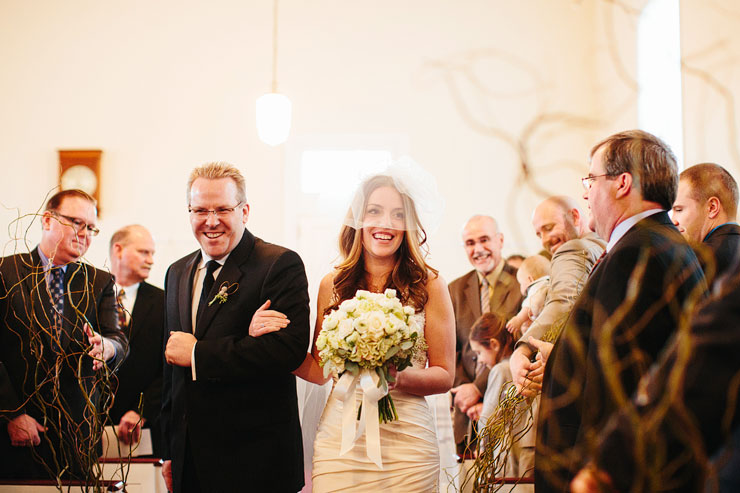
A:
(348, 306)
(331, 321)
(391, 325)
(376, 324)
(345, 328)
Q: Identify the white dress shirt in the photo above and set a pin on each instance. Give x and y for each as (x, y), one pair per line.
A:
(200, 273)
(622, 228)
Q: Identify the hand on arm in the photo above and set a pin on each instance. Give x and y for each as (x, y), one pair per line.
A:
(265, 321)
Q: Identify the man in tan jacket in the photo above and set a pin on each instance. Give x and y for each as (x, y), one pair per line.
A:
(563, 230)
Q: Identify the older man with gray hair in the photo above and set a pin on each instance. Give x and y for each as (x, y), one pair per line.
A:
(490, 287)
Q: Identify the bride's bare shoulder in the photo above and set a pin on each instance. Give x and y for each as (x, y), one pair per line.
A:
(327, 282)
(435, 282)
(326, 288)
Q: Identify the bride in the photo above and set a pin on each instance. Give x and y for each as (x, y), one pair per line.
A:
(380, 244)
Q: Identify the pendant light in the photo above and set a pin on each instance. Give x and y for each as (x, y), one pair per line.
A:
(274, 110)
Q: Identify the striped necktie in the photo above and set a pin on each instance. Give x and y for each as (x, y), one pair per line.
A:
(485, 296)
(122, 322)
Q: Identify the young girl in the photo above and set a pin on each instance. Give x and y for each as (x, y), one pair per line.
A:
(493, 344)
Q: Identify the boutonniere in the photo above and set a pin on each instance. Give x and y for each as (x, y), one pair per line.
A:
(223, 292)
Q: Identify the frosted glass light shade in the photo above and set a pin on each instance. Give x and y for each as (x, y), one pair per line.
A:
(273, 118)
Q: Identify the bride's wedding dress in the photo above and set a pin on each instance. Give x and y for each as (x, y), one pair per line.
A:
(409, 447)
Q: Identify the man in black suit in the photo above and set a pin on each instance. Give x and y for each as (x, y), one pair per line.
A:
(630, 307)
(141, 315)
(686, 409)
(58, 329)
(705, 213)
(230, 411)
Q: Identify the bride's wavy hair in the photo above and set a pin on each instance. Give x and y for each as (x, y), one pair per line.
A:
(410, 272)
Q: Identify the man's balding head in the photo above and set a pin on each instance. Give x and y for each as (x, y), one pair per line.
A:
(557, 220)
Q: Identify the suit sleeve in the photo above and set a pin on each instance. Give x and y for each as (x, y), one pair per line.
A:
(687, 408)
(239, 357)
(108, 324)
(9, 401)
(166, 412)
(569, 272)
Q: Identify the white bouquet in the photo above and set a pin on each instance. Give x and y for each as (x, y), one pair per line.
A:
(371, 331)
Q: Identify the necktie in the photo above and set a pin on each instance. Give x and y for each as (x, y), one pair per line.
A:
(56, 288)
(485, 296)
(598, 261)
(208, 281)
(121, 310)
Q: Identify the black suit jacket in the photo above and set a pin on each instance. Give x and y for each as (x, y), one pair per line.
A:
(41, 370)
(723, 245)
(688, 406)
(141, 372)
(627, 311)
(240, 417)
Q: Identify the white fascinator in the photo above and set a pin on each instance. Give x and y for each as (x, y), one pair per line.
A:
(423, 206)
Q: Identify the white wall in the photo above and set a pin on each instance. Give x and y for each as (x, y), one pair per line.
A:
(711, 82)
(164, 86)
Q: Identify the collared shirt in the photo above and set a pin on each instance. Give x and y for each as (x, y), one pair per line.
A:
(128, 300)
(491, 277)
(622, 228)
(197, 288)
(46, 264)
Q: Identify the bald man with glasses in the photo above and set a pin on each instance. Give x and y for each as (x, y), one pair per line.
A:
(58, 332)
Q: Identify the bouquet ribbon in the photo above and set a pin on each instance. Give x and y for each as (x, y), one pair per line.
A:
(371, 394)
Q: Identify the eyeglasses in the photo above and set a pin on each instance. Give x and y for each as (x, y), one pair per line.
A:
(587, 181)
(220, 213)
(78, 224)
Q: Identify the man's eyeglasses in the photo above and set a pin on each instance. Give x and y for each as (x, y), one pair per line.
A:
(587, 181)
(220, 213)
(78, 224)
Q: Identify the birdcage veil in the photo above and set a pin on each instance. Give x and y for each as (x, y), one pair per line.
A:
(418, 189)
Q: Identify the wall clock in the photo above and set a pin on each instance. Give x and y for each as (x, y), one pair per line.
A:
(80, 169)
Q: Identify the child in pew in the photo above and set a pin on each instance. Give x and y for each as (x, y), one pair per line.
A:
(534, 278)
(493, 344)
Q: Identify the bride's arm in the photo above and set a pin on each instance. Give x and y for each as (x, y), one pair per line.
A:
(439, 332)
(310, 369)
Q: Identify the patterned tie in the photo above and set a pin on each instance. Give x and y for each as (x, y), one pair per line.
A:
(56, 288)
(485, 296)
(208, 281)
(121, 310)
(598, 261)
